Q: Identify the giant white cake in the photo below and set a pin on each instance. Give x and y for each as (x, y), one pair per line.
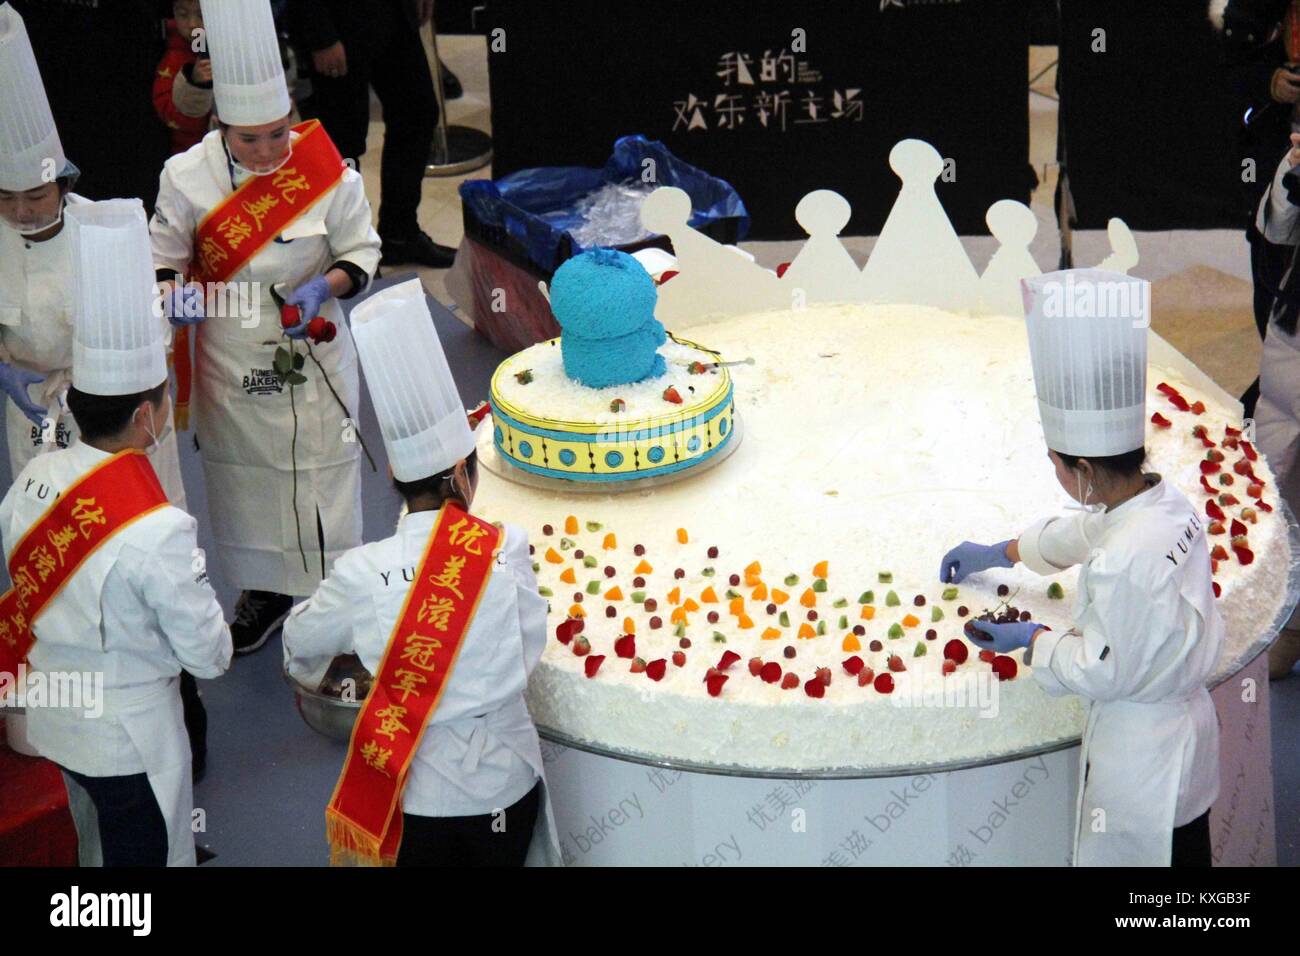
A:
(876, 438)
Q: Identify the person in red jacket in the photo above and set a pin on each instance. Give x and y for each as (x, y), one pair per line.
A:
(182, 88)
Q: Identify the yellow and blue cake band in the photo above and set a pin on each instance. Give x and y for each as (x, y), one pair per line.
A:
(591, 451)
(613, 455)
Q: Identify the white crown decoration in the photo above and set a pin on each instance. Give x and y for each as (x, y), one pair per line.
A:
(918, 259)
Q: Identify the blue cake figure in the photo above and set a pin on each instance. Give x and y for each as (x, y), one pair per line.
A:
(605, 303)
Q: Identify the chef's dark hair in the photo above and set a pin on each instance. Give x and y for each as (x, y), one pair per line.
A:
(439, 487)
(1126, 463)
(104, 416)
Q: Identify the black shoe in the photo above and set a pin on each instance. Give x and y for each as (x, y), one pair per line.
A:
(451, 88)
(257, 615)
(418, 250)
(203, 854)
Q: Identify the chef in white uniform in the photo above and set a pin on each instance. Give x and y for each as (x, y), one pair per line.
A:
(244, 417)
(140, 608)
(1277, 413)
(36, 180)
(1147, 632)
(480, 754)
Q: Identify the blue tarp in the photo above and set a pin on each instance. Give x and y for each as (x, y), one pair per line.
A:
(536, 206)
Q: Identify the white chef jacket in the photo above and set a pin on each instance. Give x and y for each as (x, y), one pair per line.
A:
(1276, 217)
(137, 611)
(480, 751)
(1147, 636)
(36, 334)
(243, 416)
(1277, 414)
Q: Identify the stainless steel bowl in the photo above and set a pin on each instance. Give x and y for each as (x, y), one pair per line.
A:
(324, 714)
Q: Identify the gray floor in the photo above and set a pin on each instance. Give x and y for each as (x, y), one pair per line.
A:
(270, 776)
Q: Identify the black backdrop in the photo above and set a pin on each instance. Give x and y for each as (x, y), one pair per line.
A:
(97, 59)
(575, 76)
(1149, 125)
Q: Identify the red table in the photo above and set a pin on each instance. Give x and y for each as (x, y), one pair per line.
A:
(35, 826)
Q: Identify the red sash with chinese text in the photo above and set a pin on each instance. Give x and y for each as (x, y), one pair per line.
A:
(364, 819)
(102, 502)
(241, 225)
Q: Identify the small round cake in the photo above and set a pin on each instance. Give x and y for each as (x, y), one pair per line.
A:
(548, 425)
(614, 399)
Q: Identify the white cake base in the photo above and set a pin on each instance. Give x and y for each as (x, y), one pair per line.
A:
(877, 438)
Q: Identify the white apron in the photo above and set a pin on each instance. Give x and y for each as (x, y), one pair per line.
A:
(242, 417)
(153, 719)
(156, 725)
(512, 727)
(36, 334)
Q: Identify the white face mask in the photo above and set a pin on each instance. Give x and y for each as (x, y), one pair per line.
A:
(245, 171)
(1084, 495)
(37, 229)
(156, 439)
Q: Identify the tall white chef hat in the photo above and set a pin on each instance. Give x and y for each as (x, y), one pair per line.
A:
(30, 152)
(420, 412)
(118, 345)
(247, 76)
(1088, 344)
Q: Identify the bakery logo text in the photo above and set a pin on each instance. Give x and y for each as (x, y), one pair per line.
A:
(263, 381)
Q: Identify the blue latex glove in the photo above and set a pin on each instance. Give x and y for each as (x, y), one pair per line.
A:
(184, 305)
(970, 558)
(1004, 638)
(309, 297)
(14, 381)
